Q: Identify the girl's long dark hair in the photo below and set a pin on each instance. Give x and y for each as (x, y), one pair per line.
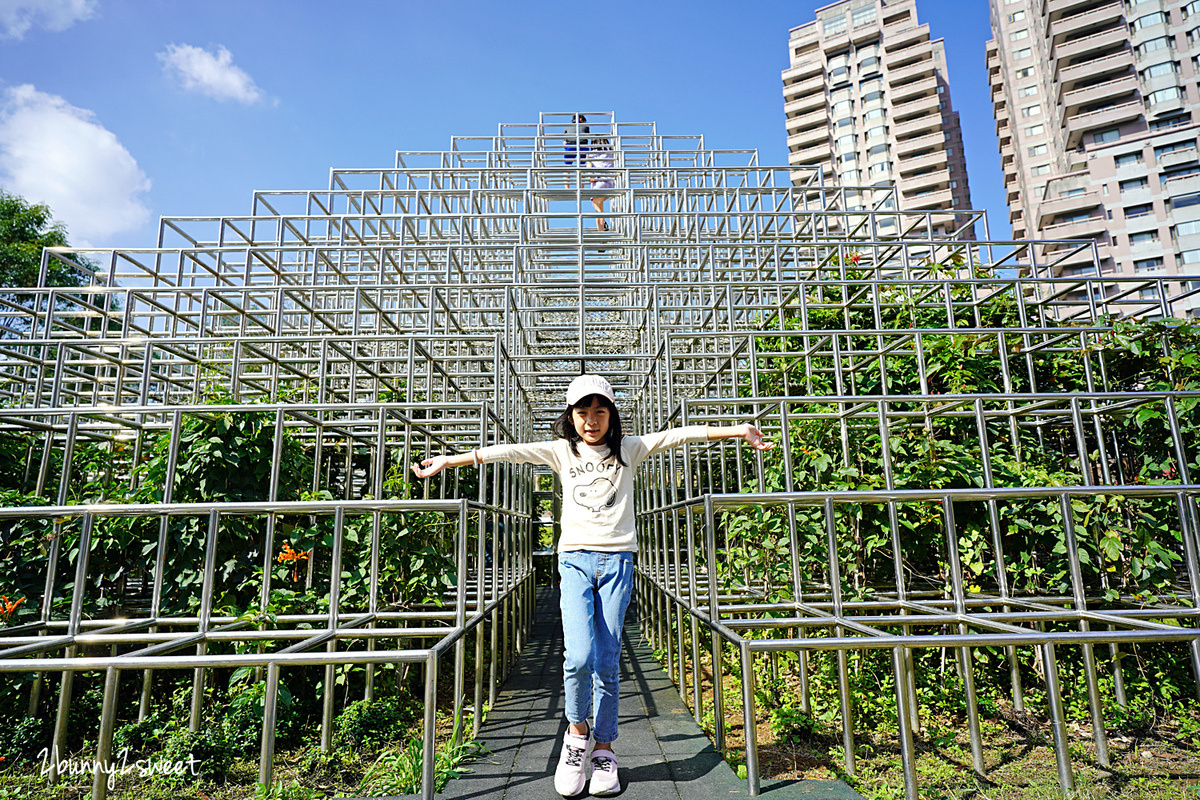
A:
(564, 426)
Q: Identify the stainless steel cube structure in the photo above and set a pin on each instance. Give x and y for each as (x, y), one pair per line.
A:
(446, 301)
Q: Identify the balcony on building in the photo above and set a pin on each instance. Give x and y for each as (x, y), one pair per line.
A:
(1106, 64)
(1073, 23)
(1077, 98)
(1177, 158)
(919, 143)
(809, 119)
(920, 69)
(1093, 42)
(917, 162)
(1107, 117)
(912, 185)
(809, 137)
(1062, 8)
(922, 124)
(810, 155)
(923, 201)
(806, 104)
(1092, 227)
(1064, 198)
(921, 86)
(901, 37)
(922, 105)
(1184, 184)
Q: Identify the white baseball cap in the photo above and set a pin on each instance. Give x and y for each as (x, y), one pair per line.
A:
(584, 385)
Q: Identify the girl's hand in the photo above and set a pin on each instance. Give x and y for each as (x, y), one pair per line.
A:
(754, 437)
(432, 466)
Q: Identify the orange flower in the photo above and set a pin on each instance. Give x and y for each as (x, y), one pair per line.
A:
(287, 554)
(9, 607)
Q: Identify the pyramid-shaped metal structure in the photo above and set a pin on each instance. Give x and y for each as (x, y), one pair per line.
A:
(445, 302)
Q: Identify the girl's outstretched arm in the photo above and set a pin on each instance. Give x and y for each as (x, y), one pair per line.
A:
(432, 466)
(753, 436)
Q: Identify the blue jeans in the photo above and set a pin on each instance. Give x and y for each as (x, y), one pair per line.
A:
(595, 591)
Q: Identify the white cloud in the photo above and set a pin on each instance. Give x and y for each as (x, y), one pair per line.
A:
(54, 153)
(213, 74)
(18, 16)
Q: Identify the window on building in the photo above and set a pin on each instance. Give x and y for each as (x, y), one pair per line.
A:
(1150, 45)
(1170, 122)
(1038, 150)
(1190, 257)
(875, 113)
(1103, 137)
(1016, 16)
(1072, 192)
(1164, 95)
(1174, 147)
(1149, 293)
(1162, 68)
(1191, 9)
(1023, 72)
(863, 15)
(850, 176)
(869, 64)
(1040, 169)
(1034, 110)
(1146, 20)
(1133, 184)
(1035, 130)
(845, 157)
(879, 169)
(1065, 219)
(1143, 237)
(1138, 211)
(1126, 159)
(953, 184)
(872, 97)
(876, 132)
(876, 149)
(844, 122)
(1017, 36)
(842, 108)
(846, 142)
(1147, 264)
(835, 25)
(1190, 228)
(1027, 91)
(1185, 200)
(1179, 172)
(1024, 52)
(838, 74)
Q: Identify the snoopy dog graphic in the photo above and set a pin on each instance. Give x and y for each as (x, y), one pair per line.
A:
(597, 495)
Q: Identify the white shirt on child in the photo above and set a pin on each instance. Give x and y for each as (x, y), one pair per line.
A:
(597, 505)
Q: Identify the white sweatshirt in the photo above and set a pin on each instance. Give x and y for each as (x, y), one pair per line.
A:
(597, 506)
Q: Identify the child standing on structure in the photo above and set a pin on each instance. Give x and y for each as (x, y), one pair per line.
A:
(594, 461)
(601, 157)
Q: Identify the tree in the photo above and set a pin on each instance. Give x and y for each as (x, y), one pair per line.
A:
(25, 229)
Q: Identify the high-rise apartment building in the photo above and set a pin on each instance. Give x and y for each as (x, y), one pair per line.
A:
(1096, 109)
(867, 97)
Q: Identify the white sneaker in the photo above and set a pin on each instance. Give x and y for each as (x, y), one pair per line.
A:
(571, 775)
(604, 773)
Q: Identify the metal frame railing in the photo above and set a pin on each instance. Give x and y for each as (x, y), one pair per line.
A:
(445, 302)
(686, 583)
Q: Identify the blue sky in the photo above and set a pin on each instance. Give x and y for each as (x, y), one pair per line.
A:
(117, 112)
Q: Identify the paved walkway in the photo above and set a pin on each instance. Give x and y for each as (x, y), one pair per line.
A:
(661, 752)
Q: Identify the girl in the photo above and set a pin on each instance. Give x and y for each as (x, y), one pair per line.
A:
(594, 461)
(601, 157)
